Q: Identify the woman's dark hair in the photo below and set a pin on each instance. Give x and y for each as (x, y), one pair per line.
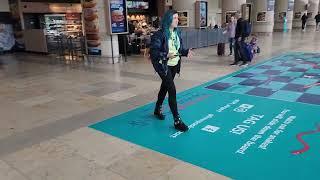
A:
(167, 21)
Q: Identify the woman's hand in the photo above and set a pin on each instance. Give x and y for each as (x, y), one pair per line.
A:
(171, 55)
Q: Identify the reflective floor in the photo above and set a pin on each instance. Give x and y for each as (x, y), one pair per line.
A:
(46, 105)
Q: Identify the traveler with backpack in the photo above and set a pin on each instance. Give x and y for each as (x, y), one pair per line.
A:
(166, 50)
(243, 30)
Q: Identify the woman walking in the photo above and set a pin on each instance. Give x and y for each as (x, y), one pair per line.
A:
(231, 31)
(165, 52)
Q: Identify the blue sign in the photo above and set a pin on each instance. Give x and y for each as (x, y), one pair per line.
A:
(118, 13)
(203, 13)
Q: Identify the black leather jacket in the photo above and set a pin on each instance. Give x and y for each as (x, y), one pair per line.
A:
(159, 50)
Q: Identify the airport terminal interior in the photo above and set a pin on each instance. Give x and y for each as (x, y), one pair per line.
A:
(78, 92)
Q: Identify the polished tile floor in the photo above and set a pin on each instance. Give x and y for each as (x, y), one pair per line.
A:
(46, 105)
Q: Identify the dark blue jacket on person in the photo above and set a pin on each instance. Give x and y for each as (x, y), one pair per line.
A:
(243, 28)
(159, 50)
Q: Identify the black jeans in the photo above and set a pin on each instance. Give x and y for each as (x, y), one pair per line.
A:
(304, 24)
(167, 85)
(231, 42)
(238, 51)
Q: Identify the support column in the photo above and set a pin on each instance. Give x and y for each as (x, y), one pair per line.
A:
(262, 16)
(107, 49)
(18, 22)
(283, 15)
(299, 10)
(99, 41)
(214, 12)
(231, 6)
(313, 9)
(162, 7)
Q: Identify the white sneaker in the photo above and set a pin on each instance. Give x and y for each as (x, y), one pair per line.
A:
(244, 65)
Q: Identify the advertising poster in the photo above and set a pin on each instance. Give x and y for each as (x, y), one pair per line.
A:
(297, 15)
(118, 13)
(91, 26)
(203, 13)
(261, 17)
(183, 19)
(270, 5)
(140, 5)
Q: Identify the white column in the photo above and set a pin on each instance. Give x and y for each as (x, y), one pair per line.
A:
(313, 8)
(96, 31)
(214, 12)
(231, 5)
(264, 25)
(299, 9)
(282, 16)
(106, 49)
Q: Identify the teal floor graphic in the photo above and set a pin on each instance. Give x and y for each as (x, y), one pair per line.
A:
(262, 122)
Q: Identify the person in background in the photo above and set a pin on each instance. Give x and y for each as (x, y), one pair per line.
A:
(156, 23)
(304, 19)
(231, 31)
(254, 44)
(166, 50)
(132, 26)
(317, 18)
(240, 37)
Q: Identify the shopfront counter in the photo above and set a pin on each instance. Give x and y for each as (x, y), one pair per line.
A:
(35, 40)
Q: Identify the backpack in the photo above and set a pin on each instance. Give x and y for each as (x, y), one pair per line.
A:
(247, 51)
(247, 28)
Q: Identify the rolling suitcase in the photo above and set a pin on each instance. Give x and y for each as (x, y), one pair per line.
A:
(221, 49)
